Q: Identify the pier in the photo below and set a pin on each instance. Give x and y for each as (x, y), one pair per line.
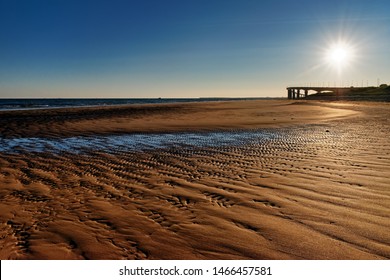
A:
(302, 92)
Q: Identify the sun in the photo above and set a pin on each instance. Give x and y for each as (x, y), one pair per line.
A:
(339, 55)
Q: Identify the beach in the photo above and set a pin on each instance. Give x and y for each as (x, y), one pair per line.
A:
(264, 179)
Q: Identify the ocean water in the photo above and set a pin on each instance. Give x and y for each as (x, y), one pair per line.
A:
(42, 103)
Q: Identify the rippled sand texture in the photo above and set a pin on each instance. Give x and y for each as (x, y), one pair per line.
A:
(311, 191)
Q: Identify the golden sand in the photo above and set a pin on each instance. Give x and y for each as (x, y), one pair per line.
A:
(318, 189)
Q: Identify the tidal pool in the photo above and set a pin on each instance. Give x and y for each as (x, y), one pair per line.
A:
(135, 142)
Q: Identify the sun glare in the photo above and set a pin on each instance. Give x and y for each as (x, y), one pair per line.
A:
(339, 55)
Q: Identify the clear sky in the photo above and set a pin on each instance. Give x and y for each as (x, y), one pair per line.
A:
(198, 48)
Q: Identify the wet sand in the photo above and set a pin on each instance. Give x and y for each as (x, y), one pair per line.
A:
(219, 180)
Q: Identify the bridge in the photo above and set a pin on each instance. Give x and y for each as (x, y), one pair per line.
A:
(302, 92)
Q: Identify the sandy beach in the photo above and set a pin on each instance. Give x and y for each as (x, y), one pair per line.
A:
(266, 179)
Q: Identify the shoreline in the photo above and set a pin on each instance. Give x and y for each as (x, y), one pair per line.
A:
(174, 117)
(99, 102)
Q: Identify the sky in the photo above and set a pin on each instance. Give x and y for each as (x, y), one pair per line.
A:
(198, 48)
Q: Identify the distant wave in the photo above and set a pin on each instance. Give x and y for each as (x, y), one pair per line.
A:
(41, 103)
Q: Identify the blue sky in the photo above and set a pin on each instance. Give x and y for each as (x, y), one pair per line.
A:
(170, 48)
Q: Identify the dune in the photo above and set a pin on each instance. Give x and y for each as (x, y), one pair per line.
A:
(269, 179)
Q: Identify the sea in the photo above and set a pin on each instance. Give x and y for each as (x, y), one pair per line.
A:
(48, 103)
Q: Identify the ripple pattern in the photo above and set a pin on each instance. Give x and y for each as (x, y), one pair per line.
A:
(319, 191)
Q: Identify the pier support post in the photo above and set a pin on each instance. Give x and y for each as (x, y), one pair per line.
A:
(298, 94)
(306, 93)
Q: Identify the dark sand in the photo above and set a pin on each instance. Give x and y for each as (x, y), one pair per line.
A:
(319, 189)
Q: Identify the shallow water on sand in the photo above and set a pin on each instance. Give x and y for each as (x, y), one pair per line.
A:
(136, 142)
